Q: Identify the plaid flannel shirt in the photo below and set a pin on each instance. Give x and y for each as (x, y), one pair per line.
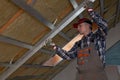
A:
(99, 40)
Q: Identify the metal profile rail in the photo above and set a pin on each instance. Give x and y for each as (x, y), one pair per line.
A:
(75, 5)
(21, 44)
(38, 16)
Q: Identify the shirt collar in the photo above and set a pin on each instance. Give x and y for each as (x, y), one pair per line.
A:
(89, 35)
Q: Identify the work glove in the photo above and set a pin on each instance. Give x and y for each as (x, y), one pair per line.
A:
(88, 5)
(49, 42)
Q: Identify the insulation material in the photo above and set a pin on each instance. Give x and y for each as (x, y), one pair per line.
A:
(52, 10)
(42, 72)
(7, 52)
(38, 58)
(19, 54)
(25, 29)
(110, 12)
(110, 3)
(7, 10)
(24, 71)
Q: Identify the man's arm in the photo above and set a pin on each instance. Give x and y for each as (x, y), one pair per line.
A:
(102, 24)
(70, 54)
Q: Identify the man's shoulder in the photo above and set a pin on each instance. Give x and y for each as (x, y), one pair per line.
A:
(97, 34)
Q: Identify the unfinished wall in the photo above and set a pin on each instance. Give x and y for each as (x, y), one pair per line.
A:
(112, 71)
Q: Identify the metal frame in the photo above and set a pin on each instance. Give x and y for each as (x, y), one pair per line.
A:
(3, 64)
(117, 13)
(21, 44)
(75, 5)
(15, 42)
(27, 77)
(41, 43)
(101, 7)
(29, 9)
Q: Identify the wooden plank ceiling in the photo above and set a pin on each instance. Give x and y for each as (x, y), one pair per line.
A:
(18, 25)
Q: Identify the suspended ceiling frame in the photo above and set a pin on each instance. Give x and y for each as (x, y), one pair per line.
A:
(42, 42)
(101, 11)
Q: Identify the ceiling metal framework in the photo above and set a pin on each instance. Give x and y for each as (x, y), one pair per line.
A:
(27, 77)
(42, 42)
(117, 13)
(15, 42)
(75, 5)
(24, 65)
(101, 7)
(39, 17)
(54, 31)
(21, 44)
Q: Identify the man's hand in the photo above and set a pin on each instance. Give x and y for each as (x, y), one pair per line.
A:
(90, 9)
(50, 43)
(53, 45)
(88, 5)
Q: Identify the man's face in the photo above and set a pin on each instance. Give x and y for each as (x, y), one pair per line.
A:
(83, 27)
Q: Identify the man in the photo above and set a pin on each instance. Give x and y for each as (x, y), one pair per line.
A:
(90, 50)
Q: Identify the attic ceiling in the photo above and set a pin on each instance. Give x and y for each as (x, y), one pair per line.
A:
(25, 23)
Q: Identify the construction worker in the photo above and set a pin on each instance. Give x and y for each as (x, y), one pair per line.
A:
(90, 50)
